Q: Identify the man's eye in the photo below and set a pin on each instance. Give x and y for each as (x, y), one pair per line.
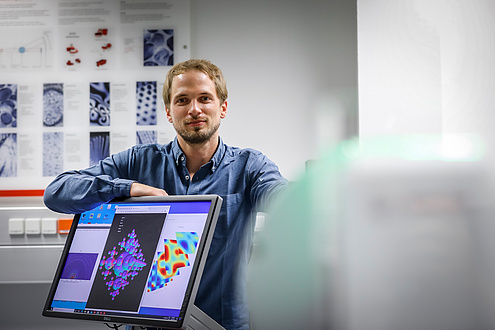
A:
(182, 100)
(205, 98)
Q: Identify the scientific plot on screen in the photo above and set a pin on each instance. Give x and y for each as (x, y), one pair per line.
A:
(172, 265)
(173, 256)
(126, 261)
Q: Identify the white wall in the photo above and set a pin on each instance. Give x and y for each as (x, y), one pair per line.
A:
(427, 67)
(291, 70)
(399, 69)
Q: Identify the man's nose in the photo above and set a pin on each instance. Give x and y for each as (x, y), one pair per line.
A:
(195, 108)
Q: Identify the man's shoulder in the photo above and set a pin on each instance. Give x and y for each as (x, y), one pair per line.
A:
(152, 147)
(247, 158)
(236, 151)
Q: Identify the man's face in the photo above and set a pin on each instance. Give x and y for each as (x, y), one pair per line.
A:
(195, 109)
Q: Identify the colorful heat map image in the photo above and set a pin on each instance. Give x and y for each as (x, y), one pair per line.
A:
(175, 256)
(121, 266)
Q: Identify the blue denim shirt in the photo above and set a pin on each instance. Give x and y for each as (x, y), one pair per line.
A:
(244, 178)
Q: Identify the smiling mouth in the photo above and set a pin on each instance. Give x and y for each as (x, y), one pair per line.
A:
(196, 123)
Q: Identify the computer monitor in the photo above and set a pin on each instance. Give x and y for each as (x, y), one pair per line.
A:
(137, 261)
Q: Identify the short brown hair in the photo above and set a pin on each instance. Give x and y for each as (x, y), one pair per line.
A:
(205, 66)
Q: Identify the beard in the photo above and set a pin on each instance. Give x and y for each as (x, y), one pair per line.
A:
(198, 135)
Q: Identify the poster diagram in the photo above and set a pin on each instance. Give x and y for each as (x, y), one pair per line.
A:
(82, 80)
(27, 50)
(104, 46)
(88, 48)
(73, 53)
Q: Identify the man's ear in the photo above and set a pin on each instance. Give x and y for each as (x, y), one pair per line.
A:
(223, 110)
(169, 117)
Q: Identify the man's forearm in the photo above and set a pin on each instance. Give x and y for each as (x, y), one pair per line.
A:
(75, 192)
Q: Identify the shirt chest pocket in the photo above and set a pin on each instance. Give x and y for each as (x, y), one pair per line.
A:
(230, 216)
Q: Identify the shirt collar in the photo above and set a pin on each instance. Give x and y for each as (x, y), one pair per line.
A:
(215, 160)
(177, 151)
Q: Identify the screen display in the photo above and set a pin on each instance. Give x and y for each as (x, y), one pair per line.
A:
(132, 259)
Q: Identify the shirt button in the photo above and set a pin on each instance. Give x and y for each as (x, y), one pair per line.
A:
(182, 158)
(187, 177)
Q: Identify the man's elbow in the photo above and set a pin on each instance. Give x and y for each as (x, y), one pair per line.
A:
(50, 200)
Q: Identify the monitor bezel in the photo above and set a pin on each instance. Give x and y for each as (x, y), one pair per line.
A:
(192, 286)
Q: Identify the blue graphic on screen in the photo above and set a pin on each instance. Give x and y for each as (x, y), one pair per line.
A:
(120, 268)
(79, 266)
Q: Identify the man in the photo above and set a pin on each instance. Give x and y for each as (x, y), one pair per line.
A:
(196, 162)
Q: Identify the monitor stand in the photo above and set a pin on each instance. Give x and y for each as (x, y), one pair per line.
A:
(197, 319)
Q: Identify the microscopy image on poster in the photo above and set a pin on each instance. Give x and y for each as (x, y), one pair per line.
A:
(8, 155)
(8, 105)
(146, 103)
(53, 105)
(99, 146)
(99, 103)
(53, 156)
(146, 137)
(158, 47)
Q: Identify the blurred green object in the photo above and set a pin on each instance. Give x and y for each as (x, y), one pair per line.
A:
(324, 261)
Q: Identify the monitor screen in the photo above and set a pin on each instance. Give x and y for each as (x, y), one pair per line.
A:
(134, 261)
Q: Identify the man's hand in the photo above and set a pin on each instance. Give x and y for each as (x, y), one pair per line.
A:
(139, 189)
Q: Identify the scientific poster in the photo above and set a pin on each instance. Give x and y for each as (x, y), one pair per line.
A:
(80, 80)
